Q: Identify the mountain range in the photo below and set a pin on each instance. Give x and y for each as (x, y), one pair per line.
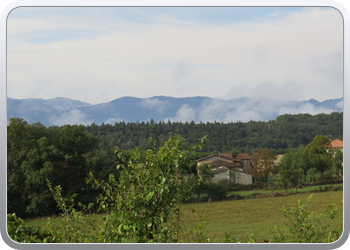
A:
(60, 111)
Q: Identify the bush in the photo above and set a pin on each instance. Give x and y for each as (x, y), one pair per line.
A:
(216, 192)
(304, 227)
(24, 234)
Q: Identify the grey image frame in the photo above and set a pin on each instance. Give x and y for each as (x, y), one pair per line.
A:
(158, 3)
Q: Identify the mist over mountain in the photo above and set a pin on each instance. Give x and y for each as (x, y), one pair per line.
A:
(60, 111)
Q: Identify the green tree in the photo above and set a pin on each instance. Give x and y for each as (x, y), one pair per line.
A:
(338, 163)
(36, 153)
(319, 155)
(73, 143)
(292, 170)
(19, 142)
(314, 174)
(319, 146)
(292, 178)
(146, 196)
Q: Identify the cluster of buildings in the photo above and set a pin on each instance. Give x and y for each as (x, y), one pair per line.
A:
(236, 167)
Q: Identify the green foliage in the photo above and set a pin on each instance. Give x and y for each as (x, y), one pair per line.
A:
(318, 160)
(314, 174)
(67, 154)
(285, 133)
(24, 234)
(36, 153)
(318, 146)
(215, 191)
(292, 178)
(198, 235)
(206, 173)
(141, 190)
(319, 153)
(147, 194)
(19, 140)
(304, 227)
(292, 170)
(338, 164)
(75, 226)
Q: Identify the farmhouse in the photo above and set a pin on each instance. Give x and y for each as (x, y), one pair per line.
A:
(227, 166)
(337, 144)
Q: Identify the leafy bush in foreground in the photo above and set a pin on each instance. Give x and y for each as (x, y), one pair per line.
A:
(24, 234)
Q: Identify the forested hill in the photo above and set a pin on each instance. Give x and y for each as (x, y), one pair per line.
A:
(280, 135)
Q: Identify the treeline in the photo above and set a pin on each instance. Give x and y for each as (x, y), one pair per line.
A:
(65, 155)
(285, 133)
(62, 155)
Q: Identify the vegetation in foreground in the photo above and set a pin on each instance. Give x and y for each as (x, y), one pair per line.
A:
(242, 219)
(143, 206)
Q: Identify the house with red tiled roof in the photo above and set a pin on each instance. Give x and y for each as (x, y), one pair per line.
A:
(232, 167)
(337, 144)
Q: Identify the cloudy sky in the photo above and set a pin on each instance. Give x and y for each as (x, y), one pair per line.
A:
(100, 54)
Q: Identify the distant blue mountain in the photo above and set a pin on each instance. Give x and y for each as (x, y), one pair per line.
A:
(61, 103)
(60, 111)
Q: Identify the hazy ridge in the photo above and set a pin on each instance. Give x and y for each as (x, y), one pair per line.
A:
(60, 110)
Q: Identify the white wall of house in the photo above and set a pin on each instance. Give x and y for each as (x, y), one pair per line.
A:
(233, 176)
(222, 175)
(243, 178)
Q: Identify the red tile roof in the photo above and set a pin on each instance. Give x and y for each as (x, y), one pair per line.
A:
(337, 143)
(226, 155)
(239, 157)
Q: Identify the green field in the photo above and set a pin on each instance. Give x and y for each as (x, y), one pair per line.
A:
(240, 218)
(270, 191)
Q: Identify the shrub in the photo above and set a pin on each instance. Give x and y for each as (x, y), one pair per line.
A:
(304, 227)
(24, 234)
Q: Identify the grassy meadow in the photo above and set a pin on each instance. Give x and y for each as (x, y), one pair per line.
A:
(240, 218)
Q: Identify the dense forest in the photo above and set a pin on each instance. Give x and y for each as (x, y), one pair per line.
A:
(65, 155)
(280, 136)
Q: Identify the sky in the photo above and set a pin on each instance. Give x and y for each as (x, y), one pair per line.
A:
(98, 54)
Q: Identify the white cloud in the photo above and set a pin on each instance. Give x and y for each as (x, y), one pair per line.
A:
(156, 104)
(72, 117)
(113, 120)
(340, 104)
(244, 110)
(144, 59)
(307, 108)
(184, 114)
